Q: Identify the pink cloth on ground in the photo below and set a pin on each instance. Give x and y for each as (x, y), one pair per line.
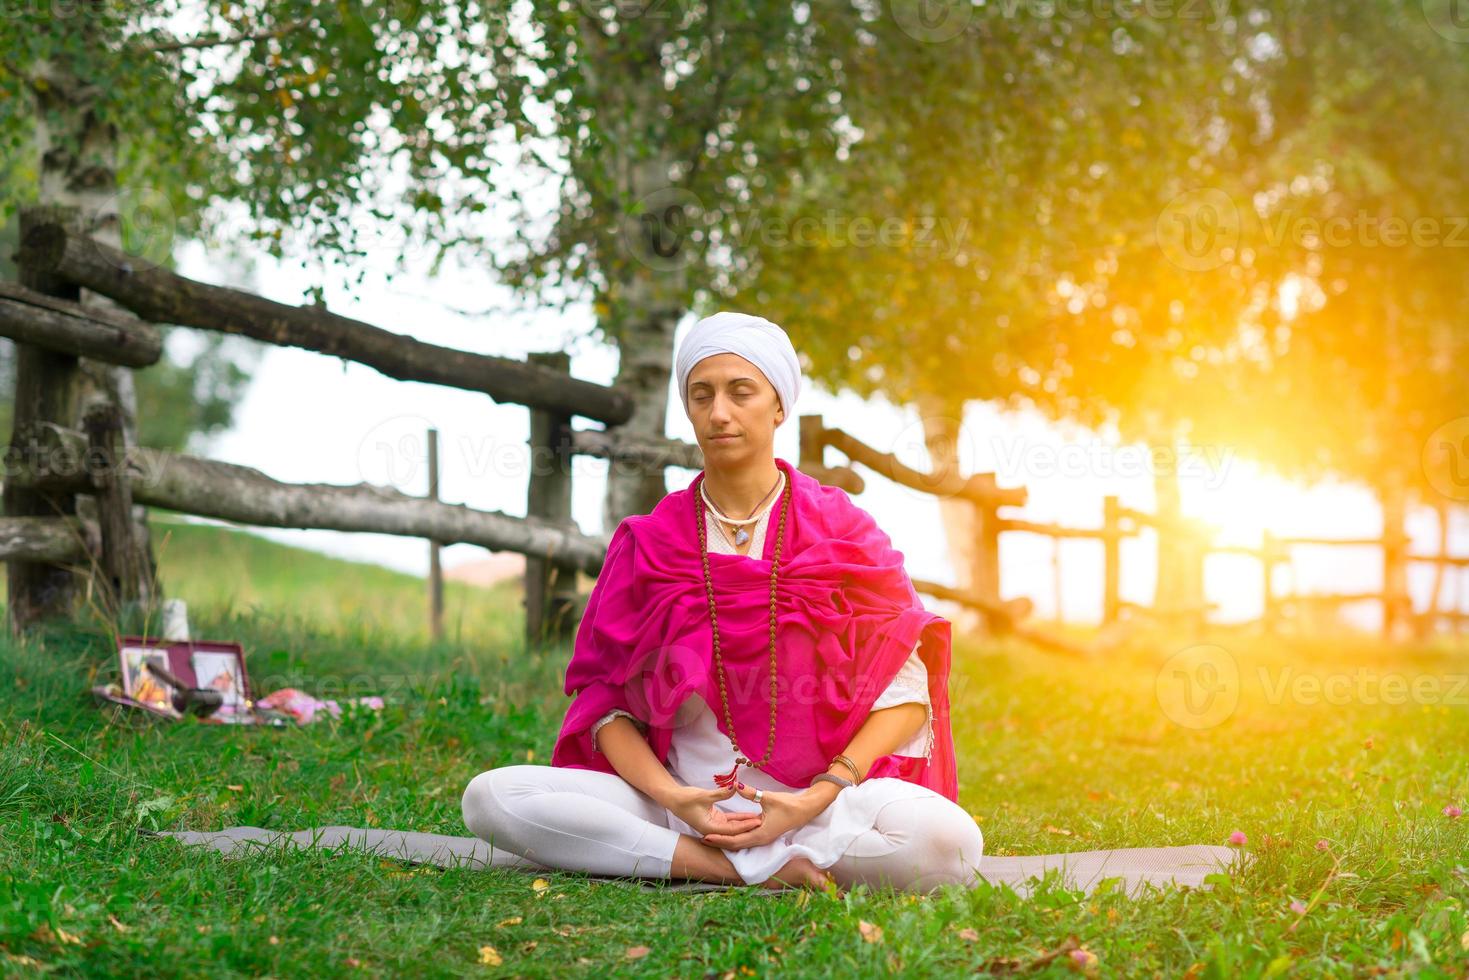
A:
(305, 708)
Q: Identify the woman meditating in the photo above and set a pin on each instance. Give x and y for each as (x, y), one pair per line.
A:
(758, 695)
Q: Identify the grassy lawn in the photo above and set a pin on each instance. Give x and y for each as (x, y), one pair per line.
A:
(1052, 757)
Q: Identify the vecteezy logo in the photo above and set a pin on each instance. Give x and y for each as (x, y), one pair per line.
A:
(1199, 229)
(1448, 18)
(933, 21)
(661, 229)
(1198, 686)
(1446, 459)
(910, 448)
(394, 453)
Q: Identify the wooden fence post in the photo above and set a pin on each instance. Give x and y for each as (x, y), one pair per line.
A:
(1111, 558)
(1193, 552)
(435, 568)
(1056, 577)
(986, 580)
(811, 454)
(1396, 604)
(1270, 612)
(48, 391)
(550, 586)
(126, 586)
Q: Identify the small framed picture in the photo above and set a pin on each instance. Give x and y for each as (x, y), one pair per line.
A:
(223, 672)
(203, 664)
(141, 685)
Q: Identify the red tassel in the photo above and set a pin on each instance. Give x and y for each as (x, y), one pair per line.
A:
(727, 779)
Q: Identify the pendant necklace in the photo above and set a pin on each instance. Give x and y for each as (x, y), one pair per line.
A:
(731, 777)
(741, 535)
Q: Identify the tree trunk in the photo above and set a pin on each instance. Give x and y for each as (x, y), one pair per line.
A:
(1425, 625)
(48, 386)
(1397, 603)
(1180, 583)
(78, 170)
(643, 374)
(942, 422)
(648, 287)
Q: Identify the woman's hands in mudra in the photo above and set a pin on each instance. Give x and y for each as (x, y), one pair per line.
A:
(698, 808)
(782, 813)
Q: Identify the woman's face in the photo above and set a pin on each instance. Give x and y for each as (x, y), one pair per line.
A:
(729, 396)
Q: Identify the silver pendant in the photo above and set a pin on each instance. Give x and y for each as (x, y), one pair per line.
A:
(741, 536)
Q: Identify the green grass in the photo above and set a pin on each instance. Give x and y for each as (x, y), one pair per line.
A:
(1052, 757)
(210, 566)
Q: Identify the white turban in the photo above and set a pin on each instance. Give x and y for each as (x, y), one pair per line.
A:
(754, 338)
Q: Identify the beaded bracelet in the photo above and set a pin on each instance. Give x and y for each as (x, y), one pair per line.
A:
(826, 777)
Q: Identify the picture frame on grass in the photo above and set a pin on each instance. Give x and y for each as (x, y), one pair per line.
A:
(207, 664)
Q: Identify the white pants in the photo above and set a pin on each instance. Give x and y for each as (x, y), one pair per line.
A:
(596, 822)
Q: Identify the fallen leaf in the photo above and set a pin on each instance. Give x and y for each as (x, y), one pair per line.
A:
(514, 920)
(117, 925)
(870, 932)
(1052, 829)
(539, 885)
(528, 947)
(489, 956)
(637, 952)
(44, 933)
(1014, 964)
(233, 788)
(969, 935)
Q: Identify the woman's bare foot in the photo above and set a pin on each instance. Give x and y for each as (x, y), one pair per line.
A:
(798, 873)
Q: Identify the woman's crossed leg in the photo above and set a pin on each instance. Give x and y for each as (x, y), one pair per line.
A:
(595, 822)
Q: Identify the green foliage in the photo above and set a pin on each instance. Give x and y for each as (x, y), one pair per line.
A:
(178, 402)
(1028, 168)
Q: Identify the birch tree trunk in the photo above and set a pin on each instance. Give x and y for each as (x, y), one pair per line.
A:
(942, 421)
(647, 286)
(78, 172)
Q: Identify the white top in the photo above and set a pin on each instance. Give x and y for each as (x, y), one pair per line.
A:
(699, 750)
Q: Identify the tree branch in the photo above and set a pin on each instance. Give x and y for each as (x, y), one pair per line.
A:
(215, 41)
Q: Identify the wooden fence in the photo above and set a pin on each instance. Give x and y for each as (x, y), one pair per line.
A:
(44, 539)
(1189, 538)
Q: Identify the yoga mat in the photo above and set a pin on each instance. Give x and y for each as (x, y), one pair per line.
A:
(1140, 868)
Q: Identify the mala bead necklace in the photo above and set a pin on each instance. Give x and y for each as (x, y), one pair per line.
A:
(729, 778)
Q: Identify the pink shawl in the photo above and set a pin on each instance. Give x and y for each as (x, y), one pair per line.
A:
(847, 617)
